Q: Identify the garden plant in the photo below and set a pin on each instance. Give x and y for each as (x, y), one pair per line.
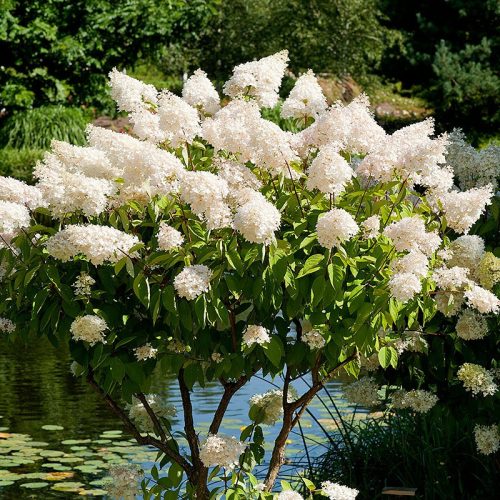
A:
(214, 245)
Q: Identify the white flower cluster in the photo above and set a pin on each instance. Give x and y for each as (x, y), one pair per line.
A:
(220, 450)
(98, 244)
(488, 271)
(306, 99)
(83, 284)
(145, 352)
(89, 328)
(329, 171)
(239, 178)
(123, 481)
(192, 281)
(471, 326)
(410, 342)
(168, 237)
(404, 286)
(466, 251)
(482, 300)
(313, 339)
(454, 278)
(409, 233)
(131, 94)
(13, 218)
(335, 491)
(199, 92)
(259, 79)
(205, 193)
(362, 392)
(289, 495)
(418, 400)
(257, 219)
(139, 414)
(371, 227)
(240, 129)
(352, 126)
(178, 120)
(255, 334)
(7, 326)
(487, 438)
(335, 227)
(19, 192)
(463, 208)
(473, 168)
(270, 404)
(476, 379)
(67, 190)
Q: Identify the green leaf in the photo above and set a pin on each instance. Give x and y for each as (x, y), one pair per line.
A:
(274, 350)
(141, 289)
(388, 356)
(312, 264)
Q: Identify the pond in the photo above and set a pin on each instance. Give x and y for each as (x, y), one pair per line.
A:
(57, 437)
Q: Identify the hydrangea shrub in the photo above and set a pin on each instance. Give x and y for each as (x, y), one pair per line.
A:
(213, 245)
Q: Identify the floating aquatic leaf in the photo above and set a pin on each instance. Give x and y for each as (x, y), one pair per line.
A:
(117, 431)
(102, 441)
(78, 448)
(88, 469)
(51, 453)
(4, 429)
(35, 486)
(67, 460)
(58, 476)
(38, 443)
(75, 441)
(56, 466)
(93, 492)
(52, 427)
(4, 482)
(68, 486)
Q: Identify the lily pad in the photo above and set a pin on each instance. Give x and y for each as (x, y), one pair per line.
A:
(75, 441)
(52, 427)
(68, 486)
(51, 453)
(35, 486)
(92, 493)
(4, 482)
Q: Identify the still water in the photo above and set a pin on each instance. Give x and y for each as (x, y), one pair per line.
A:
(57, 438)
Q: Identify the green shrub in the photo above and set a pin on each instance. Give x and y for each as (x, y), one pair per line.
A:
(19, 163)
(35, 128)
(434, 453)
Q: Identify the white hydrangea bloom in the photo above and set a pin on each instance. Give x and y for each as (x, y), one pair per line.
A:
(131, 94)
(123, 481)
(466, 251)
(289, 495)
(471, 326)
(13, 218)
(370, 363)
(482, 300)
(139, 414)
(362, 392)
(178, 119)
(255, 334)
(476, 379)
(260, 79)
(335, 491)
(83, 284)
(206, 193)
(89, 161)
(222, 451)
(335, 227)
(168, 237)
(99, 244)
(487, 438)
(192, 281)
(199, 92)
(418, 400)
(65, 191)
(371, 227)
(270, 404)
(146, 126)
(217, 357)
(329, 171)
(19, 192)
(313, 339)
(473, 168)
(89, 328)
(414, 262)
(454, 278)
(238, 177)
(411, 342)
(306, 99)
(257, 219)
(463, 209)
(7, 326)
(145, 352)
(404, 286)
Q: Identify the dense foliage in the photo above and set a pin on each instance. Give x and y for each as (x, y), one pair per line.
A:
(450, 50)
(54, 51)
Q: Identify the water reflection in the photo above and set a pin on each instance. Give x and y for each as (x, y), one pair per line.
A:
(38, 390)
